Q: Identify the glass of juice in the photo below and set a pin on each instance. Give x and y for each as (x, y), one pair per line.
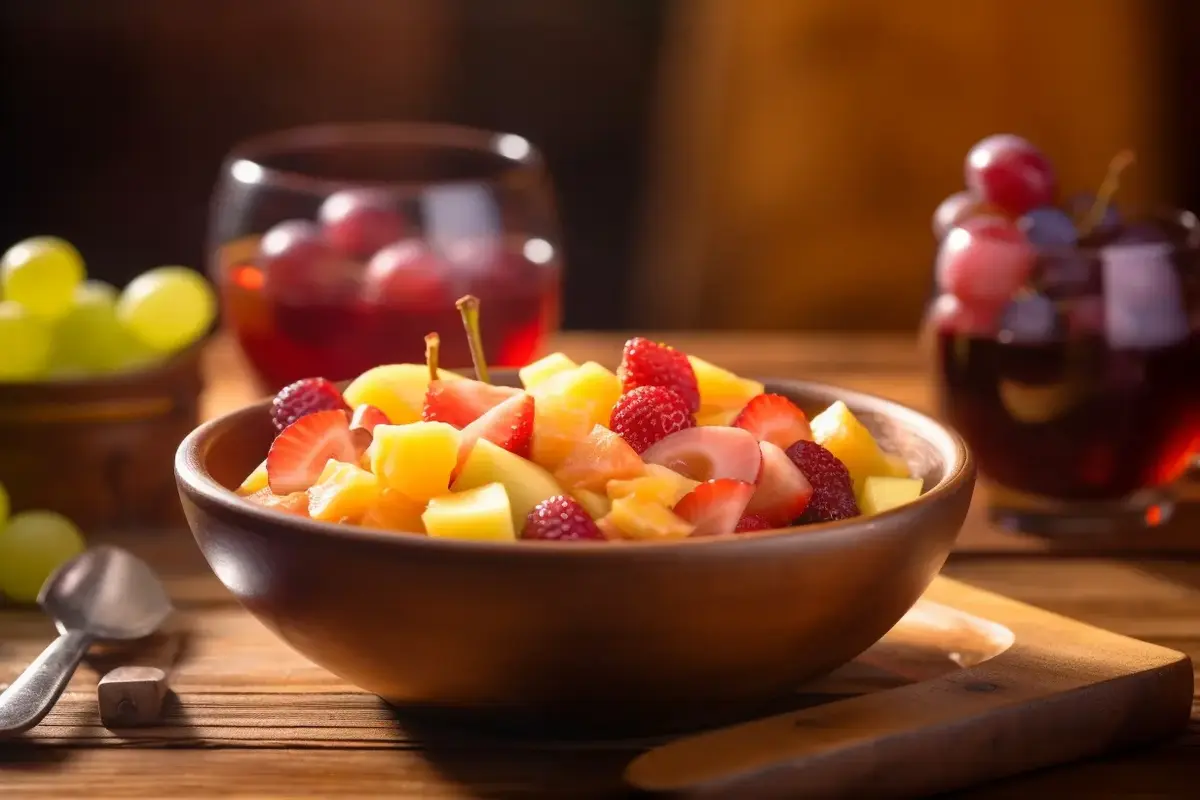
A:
(338, 248)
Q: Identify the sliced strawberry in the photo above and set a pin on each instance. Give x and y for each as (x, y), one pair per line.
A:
(716, 506)
(301, 450)
(509, 425)
(367, 417)
(775, 419)
(753, 522)
(594, 461)
(704, 454)
(648, 363)
(460, 403)
(783, 492)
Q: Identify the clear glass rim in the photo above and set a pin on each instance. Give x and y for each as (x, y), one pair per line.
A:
(512, 148)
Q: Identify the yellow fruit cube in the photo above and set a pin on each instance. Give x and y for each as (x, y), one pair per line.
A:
(660, 485)
(397, 390)
(589, 387)
(713, 415)
(525, 482)
(255, 480)
(880, 494)
(595, 504)
(720, 388)
(545, 368)
(643, 519)
(343, 493)
(394, 511)
(415, 459)
(481, 514)
(839, 431)
(556, 429)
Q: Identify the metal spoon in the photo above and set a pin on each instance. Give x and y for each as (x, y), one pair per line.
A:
(105, 593)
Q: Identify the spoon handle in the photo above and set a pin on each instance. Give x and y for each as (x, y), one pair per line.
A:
(29, 698)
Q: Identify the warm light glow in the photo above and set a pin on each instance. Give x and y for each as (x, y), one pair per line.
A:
(512, 146)
(246, 171)
(539, 251)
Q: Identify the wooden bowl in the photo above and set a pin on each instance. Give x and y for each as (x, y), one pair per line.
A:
(99, 450)
(612, 638)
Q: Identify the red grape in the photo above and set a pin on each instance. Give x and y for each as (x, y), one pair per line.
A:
(1009, 172)
(957, 209)
(984, 261)
(407, 273)
(950, 315)
(359, 222)
(300, 266)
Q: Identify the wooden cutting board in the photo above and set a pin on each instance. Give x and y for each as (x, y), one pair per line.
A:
(969, 687)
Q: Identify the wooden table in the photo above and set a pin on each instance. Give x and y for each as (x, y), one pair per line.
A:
(232, 738)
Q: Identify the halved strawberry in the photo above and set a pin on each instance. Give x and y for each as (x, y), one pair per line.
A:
(775, 419)
(648, 363)
(460, 403)
(594, 461)
(783, 492)
(716, 506)
(301, 450)
(367, 417)
(509, 425)
(753, 522)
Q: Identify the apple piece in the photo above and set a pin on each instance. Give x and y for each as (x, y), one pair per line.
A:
(398, 390)
(545, 368)
(704, 454)
(526, 483)
(643, 519)
(415, 459)
(720, 388)
(481, 514)
(881, 493)
(659, 484)
(255, 481)
(601, 457)
(597, 505)
(343, 493)
(840, 432)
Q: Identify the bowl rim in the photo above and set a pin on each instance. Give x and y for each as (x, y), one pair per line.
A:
(195, 481)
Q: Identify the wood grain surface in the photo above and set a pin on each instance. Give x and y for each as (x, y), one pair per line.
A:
(257, 720)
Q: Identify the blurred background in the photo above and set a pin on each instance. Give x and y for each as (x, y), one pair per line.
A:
(748, 164)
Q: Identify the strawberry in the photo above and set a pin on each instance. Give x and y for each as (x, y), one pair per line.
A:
(783, 492)
(305, 397)
(560, 519)
(775, 419)
(649, 414)
(716, 506)
(509, 425)
(647, 363)
(460, 403)
(832, 490)
(753, 522)
(300, 451)
(367, 417)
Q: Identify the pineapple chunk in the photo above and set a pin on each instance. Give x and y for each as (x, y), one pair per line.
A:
(644, 519)
(397, 390)
(589, 387)
(525, 482)
(481, 514)
(880, 494)
(556, 430)
(344, 492)
(839, 431)
(720, 388)
(595, 504)
(660, 485)
(713, 415)
(545, 368)
(394, 511)
(415, 459)
(255, 480)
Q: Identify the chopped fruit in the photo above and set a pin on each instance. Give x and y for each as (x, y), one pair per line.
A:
(648, 363)
(708, 415)
(255, 481)
(648, 414)
(783, 492)
(394, 511)
(509, 425)
(643, 519)
(715, 507)
(556, 431)
(560, 519)
(840, 432)
(294, 503)
(589, 388)
(367, 417)
(608, 528)
(305, 397)
(832, 491)
(397, 390)
(881, 494)
(602, 457)
(753, 522)
(459, 403)
(299, 453)
(344, 492)
(527, 484)
(479, 514)
(704, 454)
(660, 485)
(775, 419)
(545, 368)
(415, 459)
(595, 504)
(720, 388)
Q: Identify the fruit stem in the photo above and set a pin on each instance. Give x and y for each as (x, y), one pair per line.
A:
(1112, 181)
(468, 306)
(433, 343)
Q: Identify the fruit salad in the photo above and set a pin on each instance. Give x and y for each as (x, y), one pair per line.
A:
(667, 447)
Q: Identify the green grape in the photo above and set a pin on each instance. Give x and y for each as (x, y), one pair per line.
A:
(26, 339)
(167, 308)
(90, 338)
(32, 546)
(41, 274)
(5, 506)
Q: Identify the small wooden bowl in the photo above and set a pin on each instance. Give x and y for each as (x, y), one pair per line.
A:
(600, 638)
(99, 450)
